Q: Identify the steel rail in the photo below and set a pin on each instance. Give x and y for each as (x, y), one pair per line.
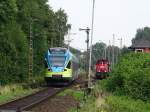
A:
(29, 101)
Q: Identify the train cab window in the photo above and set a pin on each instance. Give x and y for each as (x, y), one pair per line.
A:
(69, 65)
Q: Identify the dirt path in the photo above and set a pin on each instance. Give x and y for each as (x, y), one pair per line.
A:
(57, 104)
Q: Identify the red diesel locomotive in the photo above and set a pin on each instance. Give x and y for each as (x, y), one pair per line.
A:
(102, 68)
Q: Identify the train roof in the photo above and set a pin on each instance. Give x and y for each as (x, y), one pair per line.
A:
(65, 50)
(58, 48)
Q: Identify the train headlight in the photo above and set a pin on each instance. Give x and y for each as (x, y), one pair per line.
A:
(49, 69)
(65, 69)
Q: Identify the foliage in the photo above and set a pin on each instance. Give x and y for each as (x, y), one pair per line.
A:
(125, 50)
(92, 102)
(101, 101)
(100, 50)
(143, 33)
(13, 53)
(130, 77)
(125, 104)
(8, 11)
(19, 20)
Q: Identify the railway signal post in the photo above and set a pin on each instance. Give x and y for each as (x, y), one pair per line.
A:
(120, 39)
(87, 30)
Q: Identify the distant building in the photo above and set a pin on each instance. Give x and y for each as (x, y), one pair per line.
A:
(141, 46)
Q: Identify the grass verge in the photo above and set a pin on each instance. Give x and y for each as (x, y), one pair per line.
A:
(76, 94)
(11, 92)
(101, 101)
(125, 104)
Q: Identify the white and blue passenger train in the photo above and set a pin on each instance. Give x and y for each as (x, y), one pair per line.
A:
(61, 65)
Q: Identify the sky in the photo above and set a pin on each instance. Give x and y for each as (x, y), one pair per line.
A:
(119, 17)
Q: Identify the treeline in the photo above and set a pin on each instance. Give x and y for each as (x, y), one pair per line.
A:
(20, 20)
(110, 52)
(101, 51)
(142, 33)
(113, 53)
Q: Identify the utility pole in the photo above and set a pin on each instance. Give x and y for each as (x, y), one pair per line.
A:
(120, 39)
(92, 30)
(105, 53)
(113, 51)
(69, 40)
(31, 50)
(87, 30)
(119, 49)
(109, 51)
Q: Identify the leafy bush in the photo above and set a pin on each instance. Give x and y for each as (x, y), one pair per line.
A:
(130, 77)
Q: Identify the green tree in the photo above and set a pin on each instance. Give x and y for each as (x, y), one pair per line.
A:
(18, 18)
(142, 34)
(13, 52)
(8, 11)
(100, 50)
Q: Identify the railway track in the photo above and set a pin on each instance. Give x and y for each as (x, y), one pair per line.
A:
(32, 100)
(29, 101)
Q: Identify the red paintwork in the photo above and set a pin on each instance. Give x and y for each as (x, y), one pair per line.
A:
(147, 50)
(102, 66)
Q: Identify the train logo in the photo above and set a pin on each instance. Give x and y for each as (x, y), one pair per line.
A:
(102, 68)
(61, 65)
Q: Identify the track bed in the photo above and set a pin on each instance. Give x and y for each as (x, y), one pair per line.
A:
(31, 100)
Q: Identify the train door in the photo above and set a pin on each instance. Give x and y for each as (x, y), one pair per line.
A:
(70, 67)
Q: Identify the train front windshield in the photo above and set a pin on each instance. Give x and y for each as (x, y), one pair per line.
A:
(57, 61)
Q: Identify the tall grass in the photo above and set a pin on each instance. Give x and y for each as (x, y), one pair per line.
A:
(11, 92)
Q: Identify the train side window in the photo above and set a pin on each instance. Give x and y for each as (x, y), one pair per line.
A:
(69, 65)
